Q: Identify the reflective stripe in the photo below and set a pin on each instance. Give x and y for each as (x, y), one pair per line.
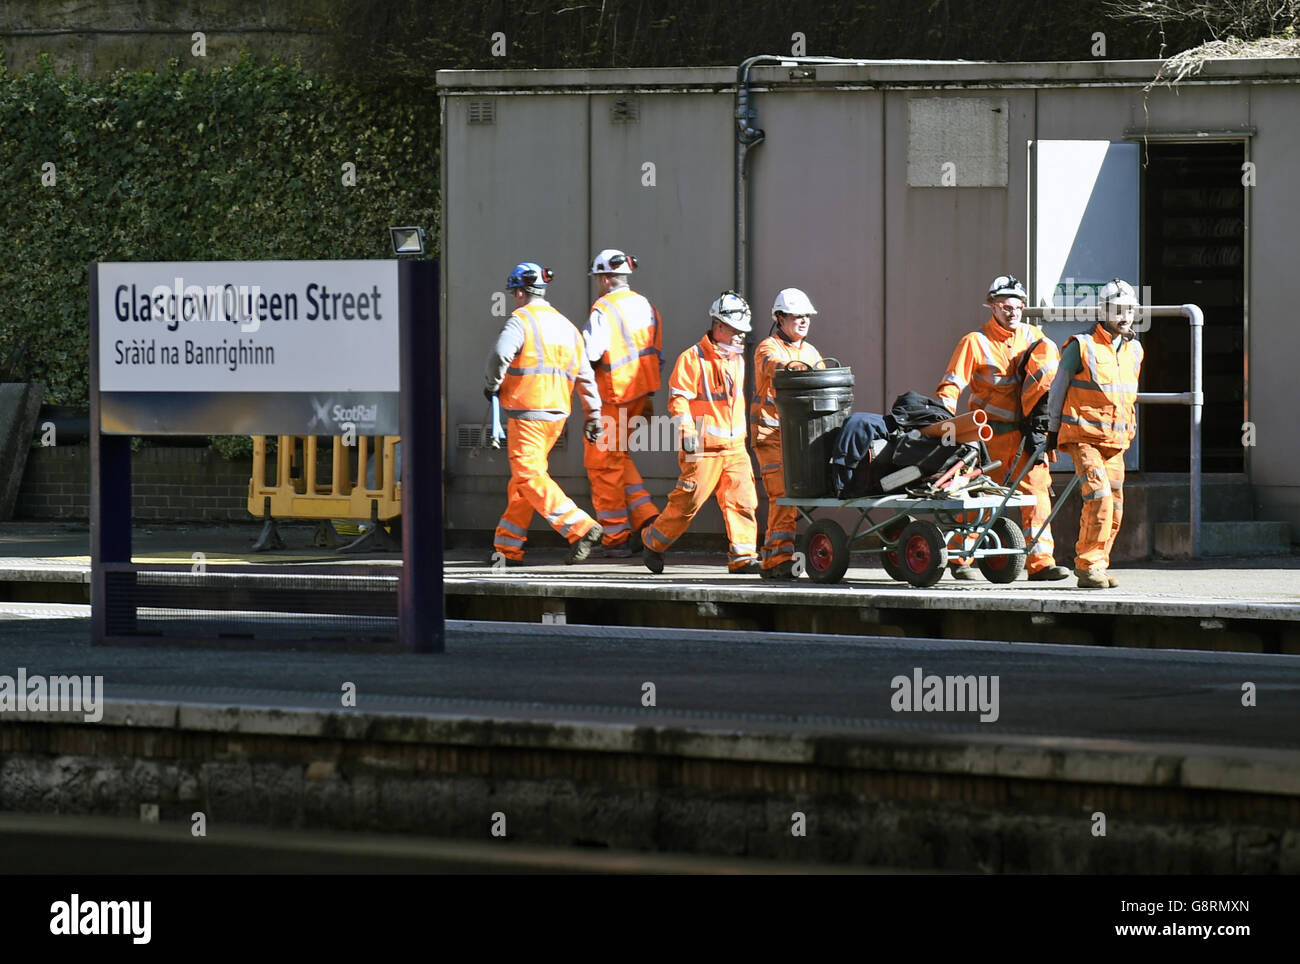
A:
(770, 465)
(783, 536)
(1037, 376)
(565, 530)
(533, 415)
(511, 527)
(681, 392)
(1001, 413)
(637, 503)
(727, 433)
(1099, 494)
(954, 379)
(708, 394)
(612, 514)
(561, 512)
(633, 488)
(742, 550)
(616, 529)
(507, 541)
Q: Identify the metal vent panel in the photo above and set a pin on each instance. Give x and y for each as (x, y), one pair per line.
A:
(626, 110)
(471, 436)
(483, 111)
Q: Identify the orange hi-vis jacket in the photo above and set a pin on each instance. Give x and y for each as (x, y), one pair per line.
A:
(987, 360)
(1041, 363)
(542, 375)
(772, 354)
(1101, 402)
(706, 390)
(629, 369)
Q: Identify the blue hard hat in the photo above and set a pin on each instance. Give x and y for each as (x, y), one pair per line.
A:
(530, 276)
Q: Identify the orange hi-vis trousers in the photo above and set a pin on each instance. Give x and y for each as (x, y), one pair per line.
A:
(1101, 472)
(528, 443)
(782, 520)
(1038, 483)
(728, 475)
(617, 491)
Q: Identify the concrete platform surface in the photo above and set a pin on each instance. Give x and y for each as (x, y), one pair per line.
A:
(1212, 592)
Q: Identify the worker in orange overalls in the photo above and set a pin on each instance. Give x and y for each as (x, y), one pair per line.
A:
(625, 344)
(1009, 364)
(791, 318)
(706, 397)
(1092, 413)
(537, 360)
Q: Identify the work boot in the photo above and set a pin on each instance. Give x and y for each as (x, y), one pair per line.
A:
(583, 546)
(1111, 579)
(1050, 574)
(782, 570)
(1092, 578)
(654, 561)
(748, 569)
(635, 540)
(964, 573)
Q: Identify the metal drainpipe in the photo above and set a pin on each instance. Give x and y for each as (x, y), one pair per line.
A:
(748, 136)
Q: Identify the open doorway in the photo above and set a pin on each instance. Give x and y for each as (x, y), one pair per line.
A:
(1194, 251)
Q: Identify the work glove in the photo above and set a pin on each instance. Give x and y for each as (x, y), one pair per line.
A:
(1051, 443)
(592, 430)
(691, 444)
(489, 393)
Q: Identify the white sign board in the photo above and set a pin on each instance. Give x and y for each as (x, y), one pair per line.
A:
(248, 326)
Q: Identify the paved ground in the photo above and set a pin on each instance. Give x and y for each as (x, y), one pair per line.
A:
(1257, 587)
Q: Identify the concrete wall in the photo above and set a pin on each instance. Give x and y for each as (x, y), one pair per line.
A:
(99, 37)
(898, 272)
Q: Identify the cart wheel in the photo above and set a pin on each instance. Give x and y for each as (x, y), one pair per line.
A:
(826, 549)
(1002, 569)
(922, 554)
(889, 557)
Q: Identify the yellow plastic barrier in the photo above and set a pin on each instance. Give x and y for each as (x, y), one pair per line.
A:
(299, 495)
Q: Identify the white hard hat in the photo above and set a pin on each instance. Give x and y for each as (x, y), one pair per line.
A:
(731, 309)
(1007, 286)
(792, 301)
(613, 261)
(1117, 292)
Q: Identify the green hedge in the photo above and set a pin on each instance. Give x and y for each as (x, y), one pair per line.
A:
(240, 163)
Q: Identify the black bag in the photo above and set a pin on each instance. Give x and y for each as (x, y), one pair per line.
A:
(912, 410)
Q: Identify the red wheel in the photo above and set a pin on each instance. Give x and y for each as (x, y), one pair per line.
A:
(922, 554)
(1004, 569)
(825, 549)
(889, 558)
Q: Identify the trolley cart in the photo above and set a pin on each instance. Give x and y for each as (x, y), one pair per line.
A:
(915, 533)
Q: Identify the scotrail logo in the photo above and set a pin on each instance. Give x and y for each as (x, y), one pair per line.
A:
(42, 694)
(328, 414)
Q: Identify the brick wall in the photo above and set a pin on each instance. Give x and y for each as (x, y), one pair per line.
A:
(177, 484)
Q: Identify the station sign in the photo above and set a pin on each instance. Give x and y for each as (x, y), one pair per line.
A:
(247, 347)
